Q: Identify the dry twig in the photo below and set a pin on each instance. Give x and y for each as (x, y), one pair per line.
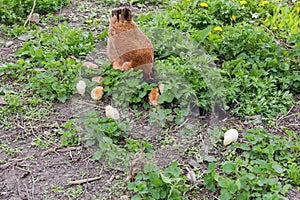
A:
(77, 182)
(285, 116)
(31, 12)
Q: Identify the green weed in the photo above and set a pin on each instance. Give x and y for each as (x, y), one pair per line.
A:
(264, 166)
(69, 135)
(153, 184)
(7, 149)
(16, 11)
(45, 65)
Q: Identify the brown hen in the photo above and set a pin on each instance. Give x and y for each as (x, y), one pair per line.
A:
(128, 47)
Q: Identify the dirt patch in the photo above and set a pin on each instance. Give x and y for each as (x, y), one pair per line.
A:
(7, 53)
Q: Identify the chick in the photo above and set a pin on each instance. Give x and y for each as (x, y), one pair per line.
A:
(90, 65)
(98, 79)
(112, 113)
(153, 96)
(128, 47)
(161, 88)
(80, 86)
(230, 136)
(97, 93)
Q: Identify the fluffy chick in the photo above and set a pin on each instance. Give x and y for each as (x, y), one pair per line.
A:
(98, 79)
(128, 47)
(80, 86)
(112, 113)
(97, 93)
(230, 136)
(153, 96)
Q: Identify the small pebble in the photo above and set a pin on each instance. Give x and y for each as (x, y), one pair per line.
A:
(191, 176)
(2, 101)
(8, 44)
(194, 163)
(35, 17)
(25, 37)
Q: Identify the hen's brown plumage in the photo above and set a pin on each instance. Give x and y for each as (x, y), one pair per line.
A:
(128, 47)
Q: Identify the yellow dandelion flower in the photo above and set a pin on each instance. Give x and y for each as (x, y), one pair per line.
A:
(204, 5)
(243, 2)
(218, 28)
(263, 3)
(274, 28)
(97, 20)
(188, 0)
(233, 18)
(88, 21)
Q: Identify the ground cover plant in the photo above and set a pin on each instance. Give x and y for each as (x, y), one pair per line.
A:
(218, 64)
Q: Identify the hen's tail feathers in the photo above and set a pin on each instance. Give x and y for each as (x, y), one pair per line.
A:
(122, 13)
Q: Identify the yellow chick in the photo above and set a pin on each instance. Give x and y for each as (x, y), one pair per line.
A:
(80, 86)
(153, 96)
(97, 93)
(112, 113)
(91, 65)
(230, 136)
(97, 79)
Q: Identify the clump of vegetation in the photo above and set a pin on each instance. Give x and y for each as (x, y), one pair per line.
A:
(153, 184)
(16, 11)
(45, 64)
(264, 166)
(126, 88)
(256, 70)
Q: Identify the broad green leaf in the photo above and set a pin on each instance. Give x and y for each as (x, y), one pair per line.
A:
(225, 195)
(277, 168)
(166, 179)
(228, 167)
(173, 170)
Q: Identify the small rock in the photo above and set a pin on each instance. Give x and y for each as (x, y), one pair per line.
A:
(25, 37)
(194, 163)
(8, 44)
(147, 128)
(2, 102)
(35, 17)
(124, 197)
(47, 133)
(191, 176)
